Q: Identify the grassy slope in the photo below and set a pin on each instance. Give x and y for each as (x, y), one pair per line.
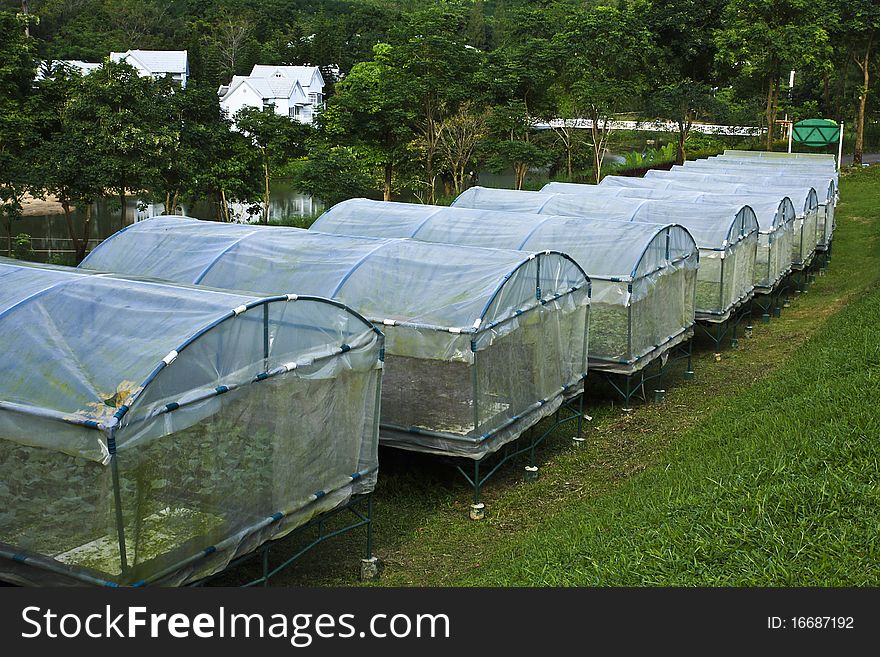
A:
(761, 470)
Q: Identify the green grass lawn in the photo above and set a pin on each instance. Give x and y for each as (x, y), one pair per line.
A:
(763, 470)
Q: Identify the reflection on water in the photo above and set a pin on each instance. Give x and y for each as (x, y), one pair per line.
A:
(50, 235)
(49, 232)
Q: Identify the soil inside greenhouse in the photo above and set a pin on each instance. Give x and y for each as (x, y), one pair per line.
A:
(761, 470)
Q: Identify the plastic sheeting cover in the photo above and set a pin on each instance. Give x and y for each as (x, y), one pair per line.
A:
(806, 157)
(434, 285)
(803, 197)
(824, 185)
(792, 161)
(770, 212)
(102, 336)
(474, 355)
(663, 257)
(712, 227)
(602, 248)
(209, 449)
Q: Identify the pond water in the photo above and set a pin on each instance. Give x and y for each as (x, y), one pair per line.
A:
(49, 234)
(50, 238)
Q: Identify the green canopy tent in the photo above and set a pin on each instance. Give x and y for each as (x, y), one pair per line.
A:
(818, 133)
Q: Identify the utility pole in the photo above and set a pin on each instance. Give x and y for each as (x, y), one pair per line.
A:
(790, 124)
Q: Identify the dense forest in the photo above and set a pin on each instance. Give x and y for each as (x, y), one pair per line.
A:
(421, 94)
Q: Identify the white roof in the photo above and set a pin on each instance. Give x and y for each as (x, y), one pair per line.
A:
(154, 61)
(84, 68)
(306, 75)
(267, 88)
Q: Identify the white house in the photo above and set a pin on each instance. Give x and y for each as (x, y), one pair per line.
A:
(284, 95)
(309, 78)
(81, 67)
(275, 79)
(157, 63)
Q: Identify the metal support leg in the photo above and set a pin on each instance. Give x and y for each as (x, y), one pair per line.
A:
(532, 469)
(370, 526)
(476, 482)
(369, 564)
(580, 417)
(265, 577)
(689, 373)
(659, 392)
(532, 446)
(577, 440)
(117, 503)
(767, 309)
(478, 509)
(627, 396)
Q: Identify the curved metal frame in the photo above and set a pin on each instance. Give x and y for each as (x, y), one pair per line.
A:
(92, 423)
(111, 427)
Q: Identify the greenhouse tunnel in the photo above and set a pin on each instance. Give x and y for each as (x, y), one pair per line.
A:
(146, 432)
(822, 164)
(812, 158)
(727, 235)
(804, 201)
(643, 275)
(481, 343)
(825, 178)
(775, 221)
(800, 165)
(824, 185)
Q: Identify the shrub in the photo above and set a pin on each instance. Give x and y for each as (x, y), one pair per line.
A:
(22, 248)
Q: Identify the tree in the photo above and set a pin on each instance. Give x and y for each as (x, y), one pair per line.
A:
(198, 130)
(861, 23)
(525, 64)
(682, 34)
(233, 36)
(476, 26)
(367, 113)
(332, 174)
(603, 53)
(683, 56)
(682, 101)
(228, 42)
(763, 39)
(129, 134)
(233, 174)
(17, 129)
(276, 137)
(435, 71)
(511, 144)
(567, 129)
(459, 136)
(519, 75)
(138, 20)
(60, 164)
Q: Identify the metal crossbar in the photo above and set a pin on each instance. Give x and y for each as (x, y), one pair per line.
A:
(629, 386)
(359, 507)
(572, 409)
